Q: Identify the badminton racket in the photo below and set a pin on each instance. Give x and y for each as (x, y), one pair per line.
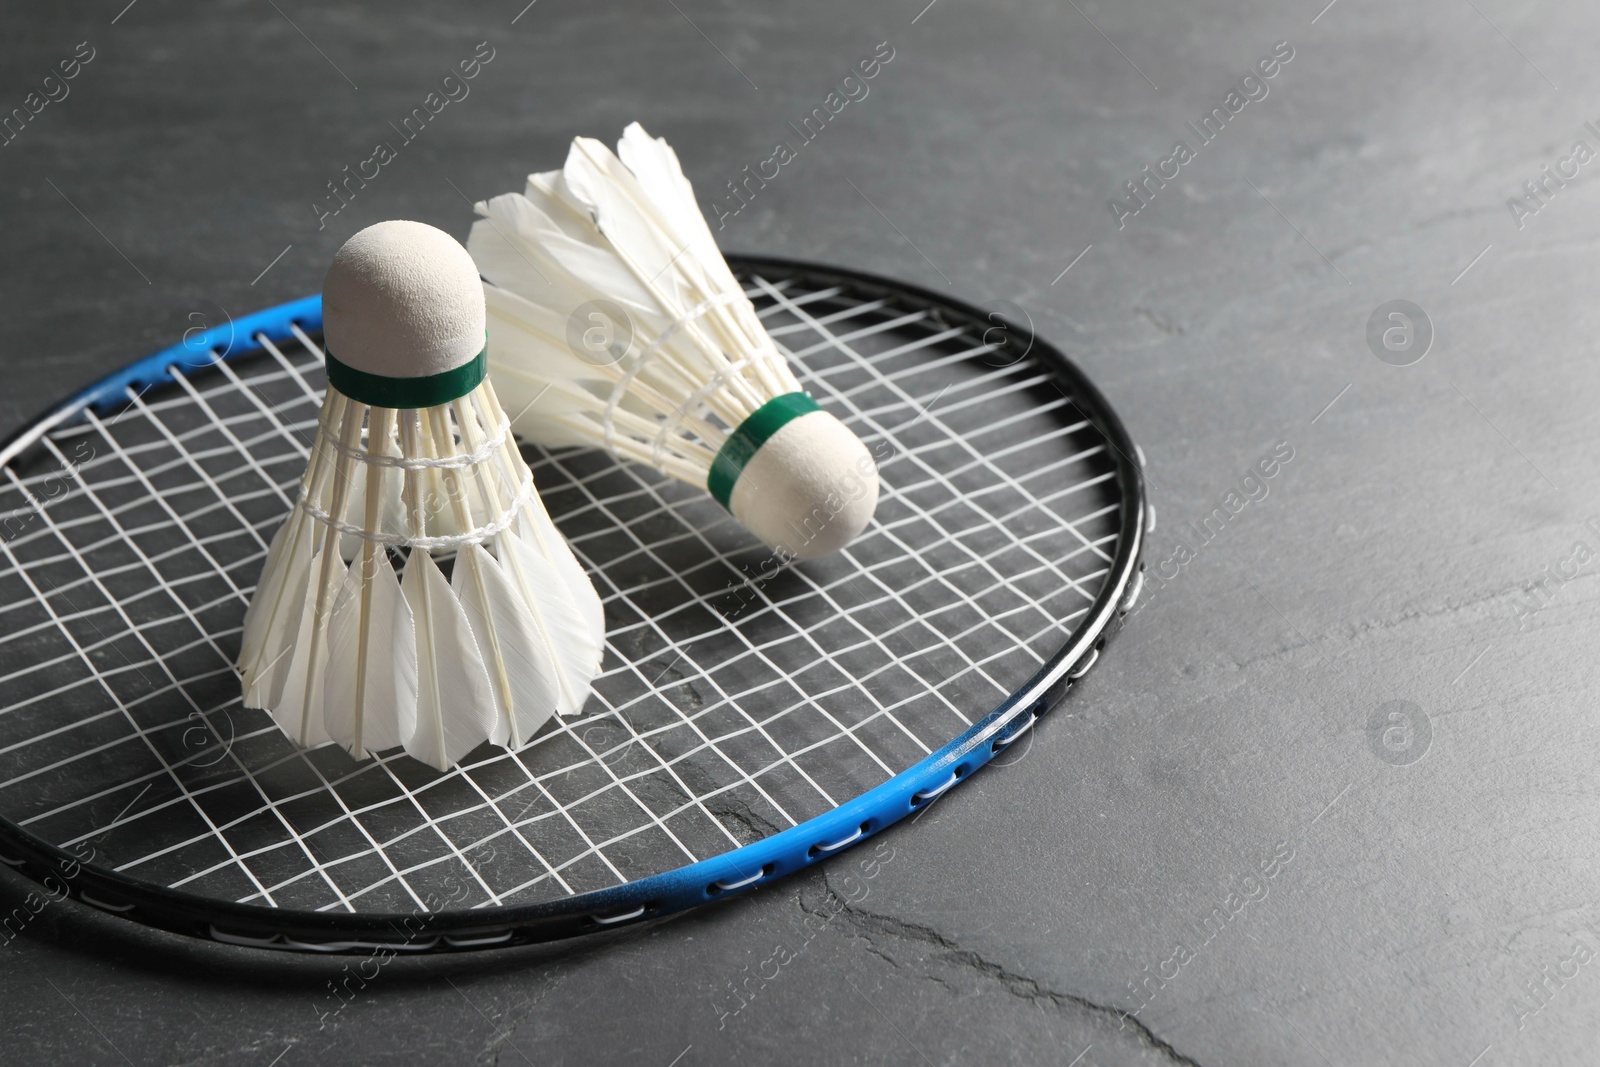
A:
(751, 718)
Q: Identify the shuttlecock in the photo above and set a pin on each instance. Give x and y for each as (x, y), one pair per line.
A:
(614, 321)
(413, 464)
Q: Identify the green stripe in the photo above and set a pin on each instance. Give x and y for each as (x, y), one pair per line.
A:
(746, 441)
(430, 390)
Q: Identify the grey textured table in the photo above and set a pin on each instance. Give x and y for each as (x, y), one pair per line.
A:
(1232, 845)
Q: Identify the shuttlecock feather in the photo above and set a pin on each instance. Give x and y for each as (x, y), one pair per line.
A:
(413, 463)
(615, 322)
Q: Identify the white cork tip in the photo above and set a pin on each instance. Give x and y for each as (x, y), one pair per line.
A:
(809, 490)
(403, 300)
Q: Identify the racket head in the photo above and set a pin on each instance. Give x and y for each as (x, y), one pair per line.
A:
(881, 354)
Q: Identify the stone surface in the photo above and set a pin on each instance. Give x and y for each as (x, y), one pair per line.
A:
(1417, 890)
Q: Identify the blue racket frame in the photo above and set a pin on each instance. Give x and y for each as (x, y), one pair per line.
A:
(699, 883)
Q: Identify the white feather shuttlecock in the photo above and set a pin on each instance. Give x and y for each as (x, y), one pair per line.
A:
(413, 461)
(615, 322)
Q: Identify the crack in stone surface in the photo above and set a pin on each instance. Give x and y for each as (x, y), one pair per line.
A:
(1013, 982)
(746, 824)
(506, 1029)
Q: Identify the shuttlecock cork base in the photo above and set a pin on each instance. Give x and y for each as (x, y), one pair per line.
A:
(696, 388)
(413, 465)
(796, 477)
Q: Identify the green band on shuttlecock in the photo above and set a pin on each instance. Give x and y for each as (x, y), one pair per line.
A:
(430, 390)
(746, 441)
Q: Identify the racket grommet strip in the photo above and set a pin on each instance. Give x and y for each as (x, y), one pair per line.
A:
(246, 940)
(922, 797)
(822, 849)
(1083, 668)
(104, 905)
(612, 920)
(1003, 741)
(327, 948)
(1134, 589)
(482, 940)
(728, 887)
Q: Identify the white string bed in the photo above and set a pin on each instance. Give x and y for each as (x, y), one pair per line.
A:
(738, 699)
